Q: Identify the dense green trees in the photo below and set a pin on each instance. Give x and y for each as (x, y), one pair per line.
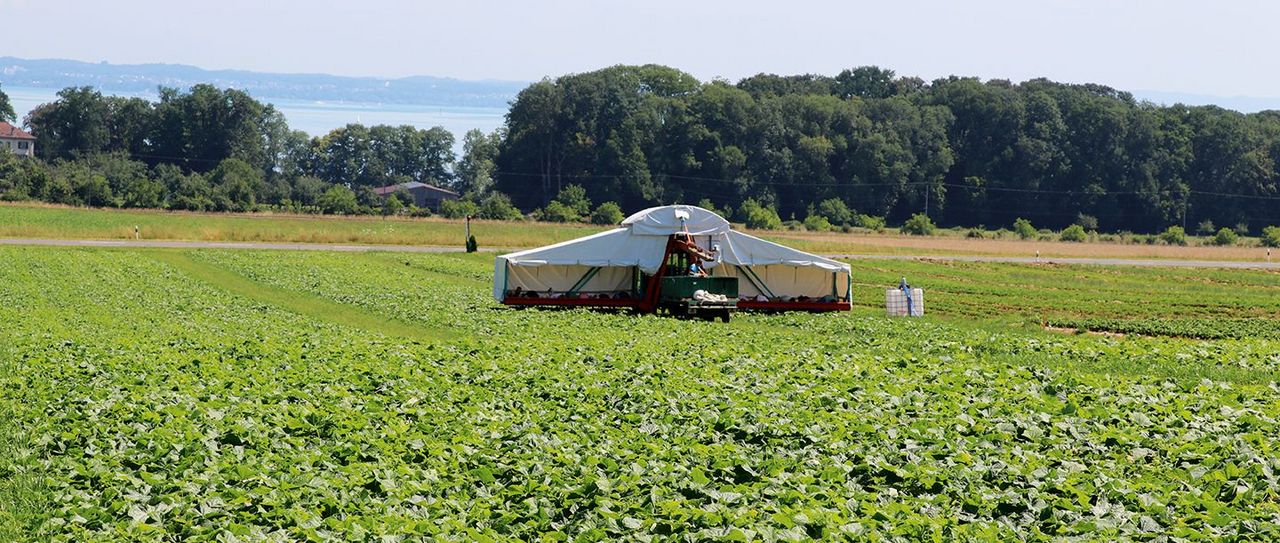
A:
(856, 149)
(967, 151)
(6, 109)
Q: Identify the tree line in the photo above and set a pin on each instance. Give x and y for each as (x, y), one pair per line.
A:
(966, 152)
(862, 147)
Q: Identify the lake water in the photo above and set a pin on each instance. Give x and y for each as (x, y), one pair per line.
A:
(318, 118)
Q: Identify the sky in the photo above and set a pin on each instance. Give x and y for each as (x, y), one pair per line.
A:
(1225, 48)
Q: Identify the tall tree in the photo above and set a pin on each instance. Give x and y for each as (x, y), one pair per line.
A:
(6, 109)
(476, 168)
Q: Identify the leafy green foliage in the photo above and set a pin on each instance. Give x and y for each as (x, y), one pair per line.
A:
(758, 216)
(575, 198)
(1271, 236)
(1087, 222)
(161, 406)
(458, 209)
(393, 205)
(1023, 229)
(6, 109)
(338, 200)
(606, 214)
(1225, 236)
(496, 206)
(1074, 233)
(918, 225)
(835, 211)
(817, 223)
(1174, 235)
(870, 222)
(558, 212)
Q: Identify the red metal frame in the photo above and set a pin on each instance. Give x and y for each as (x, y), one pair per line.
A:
(794, 306)
(576, 302)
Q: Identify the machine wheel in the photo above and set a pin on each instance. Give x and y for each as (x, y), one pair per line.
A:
(724, 315)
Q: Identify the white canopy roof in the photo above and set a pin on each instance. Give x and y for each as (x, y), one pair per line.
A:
(667, 220)
(642, 240)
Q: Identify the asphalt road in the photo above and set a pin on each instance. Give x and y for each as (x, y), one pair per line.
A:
(1165, 263)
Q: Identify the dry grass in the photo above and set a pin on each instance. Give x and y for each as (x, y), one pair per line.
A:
(62, 222)
(834, 243)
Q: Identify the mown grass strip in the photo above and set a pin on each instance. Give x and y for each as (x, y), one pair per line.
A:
(296, 302)
(22, 496)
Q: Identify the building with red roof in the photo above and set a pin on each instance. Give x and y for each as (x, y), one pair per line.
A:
(16, 140)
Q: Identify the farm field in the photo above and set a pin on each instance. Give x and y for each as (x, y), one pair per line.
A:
(159, 395)
(55, 222)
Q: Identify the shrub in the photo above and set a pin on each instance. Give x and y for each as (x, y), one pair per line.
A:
(575, 198)
(1074, 233)
(607, 213)
(471, 245)
(760, 217)
(817, 223)
(975, 233)
(458, 209)
(706, 204)
(1206, 228)
(835, 211)
(338, 200)
(1174, 235)
(393, 206)
(1271, 236)
(870, 222)
(1023, 228)
(1225, 236)
(1242, 228)
(1088, 222)
(918, 225)
(497, 206)
(558, 212)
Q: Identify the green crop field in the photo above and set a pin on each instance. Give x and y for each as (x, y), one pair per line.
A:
(163, 395)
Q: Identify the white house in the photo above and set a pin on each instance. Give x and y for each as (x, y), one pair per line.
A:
(16, 141)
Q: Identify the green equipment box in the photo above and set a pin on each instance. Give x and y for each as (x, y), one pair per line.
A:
(682, 288)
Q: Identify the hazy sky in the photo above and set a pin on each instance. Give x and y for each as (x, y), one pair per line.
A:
(1224, 48)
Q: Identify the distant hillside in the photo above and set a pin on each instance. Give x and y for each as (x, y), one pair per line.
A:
(144, 78)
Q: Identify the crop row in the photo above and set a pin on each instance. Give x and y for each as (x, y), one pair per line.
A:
(161, 407)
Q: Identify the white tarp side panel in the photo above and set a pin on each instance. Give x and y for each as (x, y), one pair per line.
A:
(499, 277)
(667, 220)
(784, 280)
(559, 279)
(614, 248)
(747, 250)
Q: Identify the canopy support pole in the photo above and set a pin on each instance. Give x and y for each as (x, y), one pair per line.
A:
(586, 278)
(755, 281)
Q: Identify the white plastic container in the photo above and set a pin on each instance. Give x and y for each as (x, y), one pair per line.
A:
(895, 303)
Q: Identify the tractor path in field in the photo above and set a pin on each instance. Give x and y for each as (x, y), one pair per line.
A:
(350, 248)
(297, 302)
